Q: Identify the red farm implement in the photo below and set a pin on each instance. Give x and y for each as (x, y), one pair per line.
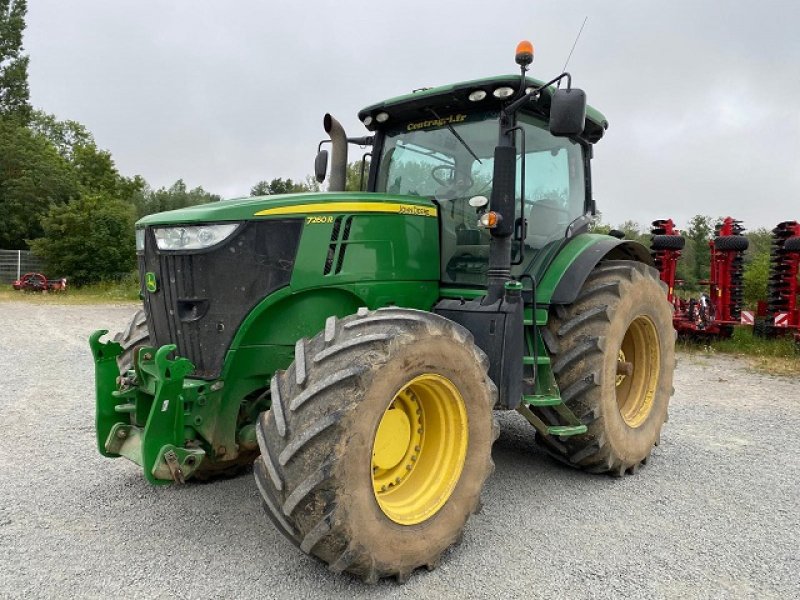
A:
(779, 314)
(36, 282)
(713, 314)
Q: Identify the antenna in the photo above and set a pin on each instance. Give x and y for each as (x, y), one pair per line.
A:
(575, 43)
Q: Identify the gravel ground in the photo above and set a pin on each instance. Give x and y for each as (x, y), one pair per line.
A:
(714, 514)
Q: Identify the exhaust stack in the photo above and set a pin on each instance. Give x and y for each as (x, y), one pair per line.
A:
(338, 154)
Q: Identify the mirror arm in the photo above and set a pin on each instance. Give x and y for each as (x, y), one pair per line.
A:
(366, 140)
(520, 102)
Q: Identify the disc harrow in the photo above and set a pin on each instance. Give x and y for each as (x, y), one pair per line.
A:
(713, 314)
(779, 314)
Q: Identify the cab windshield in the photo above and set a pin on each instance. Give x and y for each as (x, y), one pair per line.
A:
(426, 159)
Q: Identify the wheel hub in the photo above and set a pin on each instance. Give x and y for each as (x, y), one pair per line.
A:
(392, 439)
(638, 371)
(419, 449)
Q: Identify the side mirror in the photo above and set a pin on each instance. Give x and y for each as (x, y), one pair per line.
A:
(321, 165)
(568, 112)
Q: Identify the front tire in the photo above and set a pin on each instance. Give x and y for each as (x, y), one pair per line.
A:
(620, 317)
(133, 336)
(378, 442)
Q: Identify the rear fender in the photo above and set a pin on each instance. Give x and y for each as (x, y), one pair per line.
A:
(566, 275)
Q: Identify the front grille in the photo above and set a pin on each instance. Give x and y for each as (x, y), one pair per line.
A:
(203, 296)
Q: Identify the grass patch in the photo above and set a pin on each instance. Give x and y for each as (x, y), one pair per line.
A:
(125, 289)
(777, 356)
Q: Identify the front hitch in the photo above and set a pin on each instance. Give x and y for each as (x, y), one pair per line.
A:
(143, 418)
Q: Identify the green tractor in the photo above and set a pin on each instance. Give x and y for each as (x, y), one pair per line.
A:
(355, 344)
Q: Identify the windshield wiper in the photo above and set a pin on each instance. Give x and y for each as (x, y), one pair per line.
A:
(458, 137)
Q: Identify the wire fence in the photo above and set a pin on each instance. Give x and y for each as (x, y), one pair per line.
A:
(14, 263)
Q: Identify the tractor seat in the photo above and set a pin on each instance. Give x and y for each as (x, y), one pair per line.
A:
(547, 219)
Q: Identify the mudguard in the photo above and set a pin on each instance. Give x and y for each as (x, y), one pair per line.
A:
(566, 274)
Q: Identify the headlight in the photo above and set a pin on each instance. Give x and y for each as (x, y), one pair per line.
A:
(192, 237)
(477, 95)
(140, 240)
(503, 92)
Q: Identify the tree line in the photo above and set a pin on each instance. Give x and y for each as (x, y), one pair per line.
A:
(61, 195)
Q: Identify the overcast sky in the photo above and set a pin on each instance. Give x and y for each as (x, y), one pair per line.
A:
(703, 98)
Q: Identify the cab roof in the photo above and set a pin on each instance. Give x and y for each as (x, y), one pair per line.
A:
(454, 97)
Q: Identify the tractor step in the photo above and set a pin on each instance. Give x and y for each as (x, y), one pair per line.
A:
(566, 430)
(541, 400)
(539, 360)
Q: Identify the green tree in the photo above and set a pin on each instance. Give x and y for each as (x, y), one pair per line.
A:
(89, 239)
(147, 201)
(597, 225)
(756, 266)
(353, 179)
(759, 243)
(278, 186)
(756, 276)
(96, 171)
(260, 189)
(33, 177)
(14, 91)
(699, 231)
(633, 231)
(64, 135)
(311, 184)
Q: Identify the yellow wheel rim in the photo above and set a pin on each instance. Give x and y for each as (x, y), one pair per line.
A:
(419, 449)
(636, 388)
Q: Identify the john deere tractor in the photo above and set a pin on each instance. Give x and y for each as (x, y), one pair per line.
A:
(355, 344)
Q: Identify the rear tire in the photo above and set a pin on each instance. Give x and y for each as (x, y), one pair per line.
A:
(620, 314)
(667, 242)
(731, 243)
(332, 488)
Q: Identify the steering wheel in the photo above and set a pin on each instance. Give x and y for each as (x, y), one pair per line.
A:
(449, 182)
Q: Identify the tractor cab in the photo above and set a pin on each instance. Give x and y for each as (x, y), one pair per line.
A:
(439, 143)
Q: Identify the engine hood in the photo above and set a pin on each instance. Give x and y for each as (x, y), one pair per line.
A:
(258, 207)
